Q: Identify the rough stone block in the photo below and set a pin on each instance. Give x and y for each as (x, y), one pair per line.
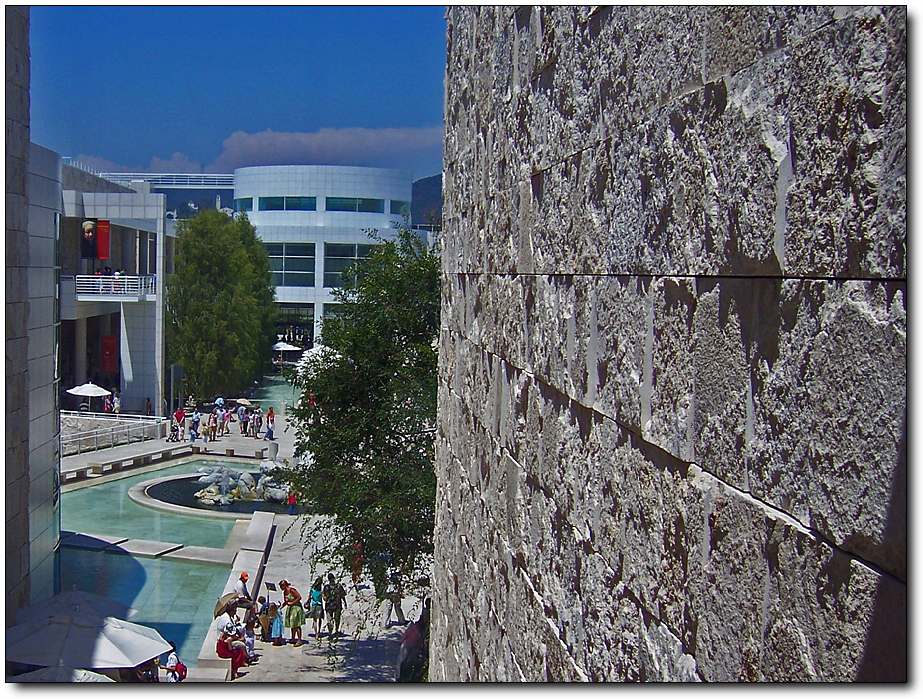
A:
(847, 204)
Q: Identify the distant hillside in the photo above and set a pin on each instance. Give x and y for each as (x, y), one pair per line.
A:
(427, 200)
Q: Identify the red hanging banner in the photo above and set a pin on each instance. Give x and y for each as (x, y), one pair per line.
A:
(110, 363)
(102, 240)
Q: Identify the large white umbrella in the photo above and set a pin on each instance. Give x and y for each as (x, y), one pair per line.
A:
(60, 674)
(89, 390)
(75, 602)
(84, 641)
(284, 347)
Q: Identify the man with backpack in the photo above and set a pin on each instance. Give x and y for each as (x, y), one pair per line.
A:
(334, 600)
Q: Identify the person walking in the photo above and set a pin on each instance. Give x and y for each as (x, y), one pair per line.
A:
(294, 611)
(291, 503)
(270, 424)
(393, 599)
(317, 605)
(334, 602)
(242, 418)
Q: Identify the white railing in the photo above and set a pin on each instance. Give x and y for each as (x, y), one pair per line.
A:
(81, 432)
(123, 285)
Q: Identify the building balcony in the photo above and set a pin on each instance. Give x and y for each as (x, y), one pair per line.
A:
(124, 287)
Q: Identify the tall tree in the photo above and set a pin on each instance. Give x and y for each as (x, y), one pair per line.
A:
(220, 304)
(366, 420)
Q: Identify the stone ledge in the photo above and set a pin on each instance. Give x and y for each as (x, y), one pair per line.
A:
(92, 543)
(143, 548)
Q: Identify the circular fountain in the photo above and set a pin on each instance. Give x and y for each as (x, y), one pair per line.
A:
(215, 491)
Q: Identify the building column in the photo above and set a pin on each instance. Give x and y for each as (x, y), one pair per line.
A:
(80, 351)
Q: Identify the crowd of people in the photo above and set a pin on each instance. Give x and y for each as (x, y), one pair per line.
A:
(217, 423)
(237, 634)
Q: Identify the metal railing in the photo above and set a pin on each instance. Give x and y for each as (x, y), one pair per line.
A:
(123, 429)
(134, 286)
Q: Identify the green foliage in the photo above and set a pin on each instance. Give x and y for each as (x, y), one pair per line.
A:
(220, 305)
(366, 419)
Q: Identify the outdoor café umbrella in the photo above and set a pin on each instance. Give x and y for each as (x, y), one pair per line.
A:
(88, 390)
(60, 674)
(75, 602)
(222, 606)
(284, 347)
(242, 401)
(83, 640)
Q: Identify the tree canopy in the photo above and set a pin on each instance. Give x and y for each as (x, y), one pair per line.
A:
(366, 420)
(220, 304)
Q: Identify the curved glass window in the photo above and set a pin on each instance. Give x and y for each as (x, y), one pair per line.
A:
(357, 204)
(272, 203)
(301, 203)
(243, 205)
(400, 208)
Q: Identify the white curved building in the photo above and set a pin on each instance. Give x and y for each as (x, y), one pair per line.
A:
(314, 221)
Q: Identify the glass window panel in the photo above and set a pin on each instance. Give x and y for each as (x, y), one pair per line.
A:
(298, 279)
(332, 280)
(401, 208)
(301, 203)
(364, 250)
(243, 204)
(296, 314)
(299, 264)
(273, 249)
(299, 249)
(338, 264)
(341, 204)
(277, 278)
(275, 264)
(372, 206)
(272, 203)
(339, 250)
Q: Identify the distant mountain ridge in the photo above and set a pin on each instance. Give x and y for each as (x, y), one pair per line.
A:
(426, 206)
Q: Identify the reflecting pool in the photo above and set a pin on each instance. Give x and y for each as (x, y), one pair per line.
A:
(177, 598)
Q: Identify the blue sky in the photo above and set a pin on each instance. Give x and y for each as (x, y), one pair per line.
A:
(211, 88)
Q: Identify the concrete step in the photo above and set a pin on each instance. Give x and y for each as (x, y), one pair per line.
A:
(208, 674)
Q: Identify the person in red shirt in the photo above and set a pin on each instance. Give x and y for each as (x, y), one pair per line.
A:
(180, 417)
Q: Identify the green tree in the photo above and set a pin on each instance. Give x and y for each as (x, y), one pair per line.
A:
(365, 425)
(220, 304)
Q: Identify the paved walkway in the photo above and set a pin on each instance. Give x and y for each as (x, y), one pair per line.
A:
(365, 652)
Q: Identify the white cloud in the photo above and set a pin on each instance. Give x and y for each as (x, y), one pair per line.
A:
(417, 150)
(402, 149)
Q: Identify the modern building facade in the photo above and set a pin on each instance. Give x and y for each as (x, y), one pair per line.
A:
(32, 463)
(112, 326)
(315, 221)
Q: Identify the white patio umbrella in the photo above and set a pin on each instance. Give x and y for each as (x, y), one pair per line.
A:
(75, 602)
(284, 347)
(88, 390)
(83, 640)
(60, 674)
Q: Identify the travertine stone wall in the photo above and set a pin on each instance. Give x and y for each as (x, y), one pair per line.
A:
(673, 392)
(17, 311)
